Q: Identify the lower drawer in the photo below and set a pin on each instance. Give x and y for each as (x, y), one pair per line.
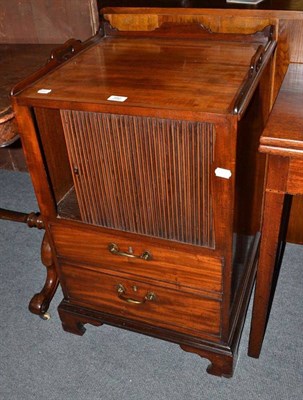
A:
(147, 302)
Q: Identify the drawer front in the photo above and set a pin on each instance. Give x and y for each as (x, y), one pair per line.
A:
(141, 301)
(167, 262)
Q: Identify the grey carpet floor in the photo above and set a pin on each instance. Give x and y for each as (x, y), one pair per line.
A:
(41, 361)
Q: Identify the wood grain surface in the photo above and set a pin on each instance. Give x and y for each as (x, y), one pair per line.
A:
(43, 21)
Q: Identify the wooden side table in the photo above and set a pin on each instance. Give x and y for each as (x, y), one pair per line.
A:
(282, 140)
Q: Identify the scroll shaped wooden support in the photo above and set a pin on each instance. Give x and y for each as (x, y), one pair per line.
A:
(40, 302)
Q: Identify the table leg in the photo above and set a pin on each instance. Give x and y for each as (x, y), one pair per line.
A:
(270, 238)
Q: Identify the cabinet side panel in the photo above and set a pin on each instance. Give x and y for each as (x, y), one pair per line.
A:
(249, 185)
(143, 175)
(54, 150)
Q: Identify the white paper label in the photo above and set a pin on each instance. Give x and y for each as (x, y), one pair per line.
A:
(245, 1)
(44, 91)
(117, 98)
(223, 173)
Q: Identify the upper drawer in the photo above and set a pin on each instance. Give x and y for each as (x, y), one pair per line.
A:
(170, 262)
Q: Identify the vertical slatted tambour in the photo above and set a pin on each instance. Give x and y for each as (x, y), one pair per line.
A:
(144, 175)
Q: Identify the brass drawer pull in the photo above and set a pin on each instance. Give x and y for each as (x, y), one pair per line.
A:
(114, 249)
(150, 296)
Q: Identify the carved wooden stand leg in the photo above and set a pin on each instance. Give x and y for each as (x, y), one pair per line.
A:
(220, 365)
(74, 322)
(39, 304)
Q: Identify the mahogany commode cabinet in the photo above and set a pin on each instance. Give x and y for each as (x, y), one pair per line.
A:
(135, 144)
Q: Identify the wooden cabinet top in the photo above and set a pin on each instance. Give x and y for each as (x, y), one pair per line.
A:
(156, 70)
(152, 73)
